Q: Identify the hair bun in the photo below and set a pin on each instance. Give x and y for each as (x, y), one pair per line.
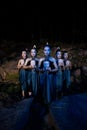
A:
(58, 48)
(34, 46)
(47, 43)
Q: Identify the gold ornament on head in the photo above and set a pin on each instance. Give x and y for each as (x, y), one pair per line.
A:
(34, 47)
(58, 48)
(47, 43)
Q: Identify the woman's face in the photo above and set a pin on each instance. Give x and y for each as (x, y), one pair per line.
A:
(24, 54)
(33, 52)
(66, 55)
(47, 51)
(59, 54)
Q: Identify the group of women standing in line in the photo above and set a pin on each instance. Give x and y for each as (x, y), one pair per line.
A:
(46, 75)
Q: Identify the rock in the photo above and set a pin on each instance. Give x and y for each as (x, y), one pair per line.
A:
(1, 104)
(77, 73)
(85, 70)
(2, 74)
(85, 52)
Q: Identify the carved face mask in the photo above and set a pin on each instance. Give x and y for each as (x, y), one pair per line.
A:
(33, 63)
(67, 63)
(60, 61)
(46, 64)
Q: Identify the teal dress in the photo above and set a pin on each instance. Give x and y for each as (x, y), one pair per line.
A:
(32, 78)
(59, 79)
(22, 79)
(67, 76)
(46, 81)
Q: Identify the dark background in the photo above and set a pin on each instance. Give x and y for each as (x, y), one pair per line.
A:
(23, 21)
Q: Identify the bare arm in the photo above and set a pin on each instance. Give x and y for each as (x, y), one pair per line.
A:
(19, 65)
(25, 66)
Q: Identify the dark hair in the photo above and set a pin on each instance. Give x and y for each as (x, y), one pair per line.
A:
(34, 47)
(58, 49)
(65, 52)
(21, 54)
(47, 45)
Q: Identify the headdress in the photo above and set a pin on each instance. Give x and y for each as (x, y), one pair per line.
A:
(58, 49)
(34, 46)
(47, 45)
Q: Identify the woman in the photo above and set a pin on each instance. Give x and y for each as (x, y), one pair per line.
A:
(31, 66)
(47, 67)
(59, 74)
(67, 71)
(22, 72)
